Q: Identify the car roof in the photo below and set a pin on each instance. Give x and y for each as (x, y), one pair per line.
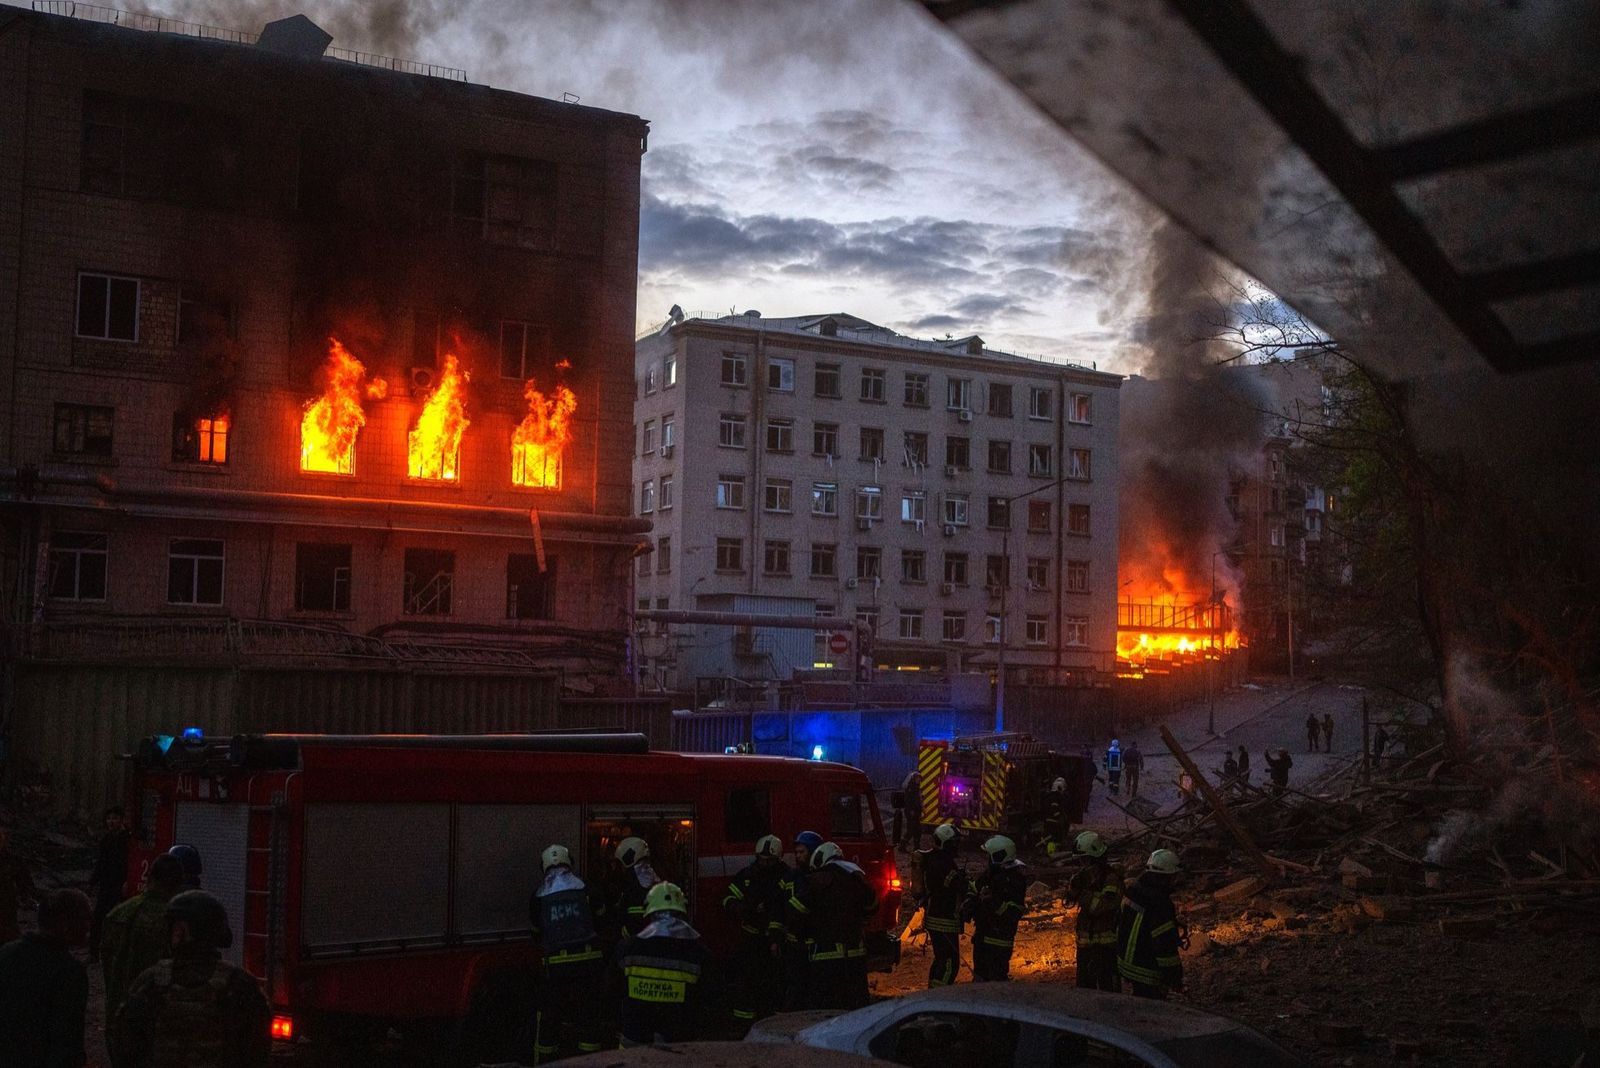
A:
(1152, 1021)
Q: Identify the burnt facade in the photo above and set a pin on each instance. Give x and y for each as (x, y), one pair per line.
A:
(185, 223)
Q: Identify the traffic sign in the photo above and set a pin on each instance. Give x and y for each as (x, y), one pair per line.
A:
(839, 642)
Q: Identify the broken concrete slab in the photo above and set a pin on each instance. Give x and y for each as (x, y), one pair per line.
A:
(1240, 891)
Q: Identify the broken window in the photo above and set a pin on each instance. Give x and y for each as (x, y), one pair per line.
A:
(1041, 460)
(202, 440)
(869, 562)
(506, 199)
(524, 347)
(429, 584)
(530, 592)
(194, 571)
(321, 577)
(78, 566)
(204, 320)
(780, 374)
(1000, 400)
(1075, 630)
(916, 448)
(871, 443)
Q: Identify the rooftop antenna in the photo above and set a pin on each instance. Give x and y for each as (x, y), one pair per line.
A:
(569, 98)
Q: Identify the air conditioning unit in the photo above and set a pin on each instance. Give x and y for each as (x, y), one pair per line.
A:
(422, 378)
(949, 530)
(666, 451)
(947, 588)
(965, 415)
(950, 470)
(863, 524)
(851, 583)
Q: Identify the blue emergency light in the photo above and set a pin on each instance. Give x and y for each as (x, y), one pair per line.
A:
(193, 734)
(816, 752)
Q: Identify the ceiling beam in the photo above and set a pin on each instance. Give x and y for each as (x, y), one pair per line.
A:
(1493, 140)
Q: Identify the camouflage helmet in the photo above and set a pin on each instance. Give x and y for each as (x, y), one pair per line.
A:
(207, 919)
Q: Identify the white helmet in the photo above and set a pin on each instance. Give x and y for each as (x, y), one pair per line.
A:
(1000, 849)
(769, 845)
(945, 833)
(632, 850)
(1091, 844)
(556, 855)
(823, 854)
(1059, 786)
(1163, 862)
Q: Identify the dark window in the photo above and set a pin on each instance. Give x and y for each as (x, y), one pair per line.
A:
(194, 571)
(321, 577)
(84, 429)
(522, 349)
(78, 566)
(1000, 400)
(529, 591)
(747, 815)
(202, 440)
(852, 816)
(155, 148)
(504, 199)
(429, 582)
(108, 307)
(204, 320)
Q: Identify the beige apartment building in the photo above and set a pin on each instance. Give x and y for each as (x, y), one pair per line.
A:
(940, 492)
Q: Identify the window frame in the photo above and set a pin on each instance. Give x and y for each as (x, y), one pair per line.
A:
(1080, 409)
(909, 619)
(108, 278)
(785, 368)
(734, 371)
(780, 435)
(824, 550)
(775, 557)
(781, 490)
(957, 387)
(730, 556)
(196, 559)
(995, 410)
(1041, 460)
(914, 392)
(730, 496)
(821, 433)
(833, 371)
(957, 561)
(878, 379)
(1043, 412)
(78, 554)
(730, 426)
(825, 493)
(956, 510)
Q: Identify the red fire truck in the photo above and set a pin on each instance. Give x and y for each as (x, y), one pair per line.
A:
(386, 878)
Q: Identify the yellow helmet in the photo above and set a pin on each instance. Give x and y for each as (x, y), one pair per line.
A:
(1163, 862)
(1000, 849)
(631, 850)
(823, 853)
(554, 855)
(665, 897)
(1091, 844)
(769, 845)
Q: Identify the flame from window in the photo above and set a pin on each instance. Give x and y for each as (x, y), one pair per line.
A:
(433, 448)
(331, 422)
(542, 437)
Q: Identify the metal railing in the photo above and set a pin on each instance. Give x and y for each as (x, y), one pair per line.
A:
(150, 23)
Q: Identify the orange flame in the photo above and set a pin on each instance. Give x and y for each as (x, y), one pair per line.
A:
(541, 437)
(331, 422)
(433, 448)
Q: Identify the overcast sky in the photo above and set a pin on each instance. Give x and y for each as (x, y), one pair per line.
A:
(806, 156)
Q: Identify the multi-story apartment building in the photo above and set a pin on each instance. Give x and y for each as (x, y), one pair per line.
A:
(824, 465)
(187, 217)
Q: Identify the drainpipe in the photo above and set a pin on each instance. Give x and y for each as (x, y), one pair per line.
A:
(758, 448)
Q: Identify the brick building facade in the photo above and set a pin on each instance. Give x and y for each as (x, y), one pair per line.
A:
(184, 223)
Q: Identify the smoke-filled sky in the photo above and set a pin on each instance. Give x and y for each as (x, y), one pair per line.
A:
(831, 155)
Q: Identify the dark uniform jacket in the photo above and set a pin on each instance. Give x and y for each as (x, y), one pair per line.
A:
(1147, 937)
(1098, 891)
(15, 885)
(998, 904)
(945, 888)
(636, 884)
(664, 974)
(110, 866)
(563, 914)
(832, 907)
(135, 936)
(193, 1011)
(43, 993)
(758, 899)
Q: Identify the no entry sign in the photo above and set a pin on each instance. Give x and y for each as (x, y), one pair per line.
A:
(839, 642)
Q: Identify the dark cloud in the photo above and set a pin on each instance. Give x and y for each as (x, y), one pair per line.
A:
(935, 322)
(980, 307)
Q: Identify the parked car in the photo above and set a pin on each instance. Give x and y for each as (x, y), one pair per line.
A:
(1028, 1025)
(719, 1055)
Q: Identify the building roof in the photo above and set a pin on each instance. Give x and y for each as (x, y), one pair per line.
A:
(849, 329)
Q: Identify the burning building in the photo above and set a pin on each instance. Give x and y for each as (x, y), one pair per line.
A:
(317, 360)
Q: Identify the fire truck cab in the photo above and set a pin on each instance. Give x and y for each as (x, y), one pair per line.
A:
(385, 878)
(997, 783)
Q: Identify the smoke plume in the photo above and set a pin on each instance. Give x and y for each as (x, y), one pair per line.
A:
(1185, 424)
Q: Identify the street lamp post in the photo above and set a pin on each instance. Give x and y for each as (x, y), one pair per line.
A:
(1005, 587)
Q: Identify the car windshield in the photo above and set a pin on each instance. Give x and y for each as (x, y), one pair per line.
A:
(1225, 1050)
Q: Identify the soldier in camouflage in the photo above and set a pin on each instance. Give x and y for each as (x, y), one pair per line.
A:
(195, 1010)
(135, 934)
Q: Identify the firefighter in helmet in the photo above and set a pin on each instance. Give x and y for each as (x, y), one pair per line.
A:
(1097, 889)
(757, 900)
(997, 906)
(1148, 934)
(565, 914)
(193, 1008)
(795, 951)
(1057, 818)
(637, 877)
(664, 972)
(833, 906)
(945, 887)
(189, 857)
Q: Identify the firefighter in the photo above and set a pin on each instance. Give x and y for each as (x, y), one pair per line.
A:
(997, 905)
(795, 951)
(1097, 888)
(833, 906)
(1114, 767)
(189, 857)
(758, 899)
(196, 1008)
(1057, 817)
(135, 934)
(638, 876)
(664, 972)
(1148, 936)
(945, 887)
(912, 789)
(563, 914)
